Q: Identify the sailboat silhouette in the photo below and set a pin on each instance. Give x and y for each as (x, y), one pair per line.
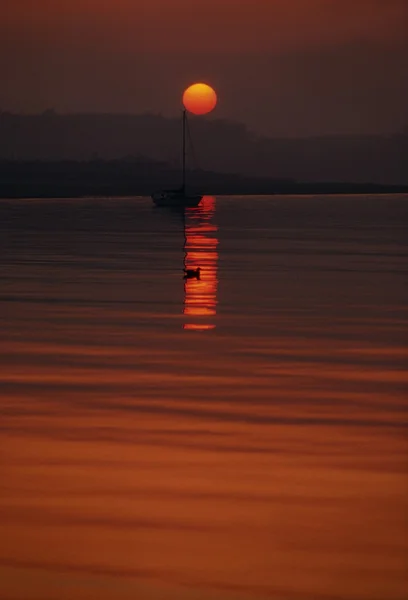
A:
(179, 196)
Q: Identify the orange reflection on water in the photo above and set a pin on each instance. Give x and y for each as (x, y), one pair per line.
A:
(198, 326)
(200, 247)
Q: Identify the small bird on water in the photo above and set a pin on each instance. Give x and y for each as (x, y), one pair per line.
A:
(192, 273)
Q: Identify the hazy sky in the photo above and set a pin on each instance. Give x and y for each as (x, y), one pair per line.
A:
(284, 67)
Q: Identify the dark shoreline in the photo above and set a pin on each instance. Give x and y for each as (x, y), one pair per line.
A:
(124, 178)
(20, 192)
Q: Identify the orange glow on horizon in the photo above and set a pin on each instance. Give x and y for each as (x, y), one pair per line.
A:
(200, 298)
(199, 99)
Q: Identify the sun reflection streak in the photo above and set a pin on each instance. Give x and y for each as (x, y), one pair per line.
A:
(200, 250)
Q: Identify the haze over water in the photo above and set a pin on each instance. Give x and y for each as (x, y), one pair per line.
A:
(239, 436)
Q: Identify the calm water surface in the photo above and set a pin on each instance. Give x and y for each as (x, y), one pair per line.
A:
(241, 436)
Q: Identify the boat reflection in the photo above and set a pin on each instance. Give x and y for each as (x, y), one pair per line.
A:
(200, 251)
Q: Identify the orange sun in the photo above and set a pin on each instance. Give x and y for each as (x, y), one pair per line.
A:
(199, 99)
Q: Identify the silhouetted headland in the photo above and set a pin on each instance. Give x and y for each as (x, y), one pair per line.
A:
(130, 177)
(140, 152)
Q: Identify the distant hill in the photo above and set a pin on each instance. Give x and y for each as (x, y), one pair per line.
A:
(219, 146)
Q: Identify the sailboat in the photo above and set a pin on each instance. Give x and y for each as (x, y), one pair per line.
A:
(178, 197)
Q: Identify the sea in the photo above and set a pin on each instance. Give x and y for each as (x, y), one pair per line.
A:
(237, 435)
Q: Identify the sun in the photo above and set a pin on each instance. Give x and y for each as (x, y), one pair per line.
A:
(199, 99)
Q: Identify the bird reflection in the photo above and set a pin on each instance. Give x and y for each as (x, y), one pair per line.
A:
(200, 266)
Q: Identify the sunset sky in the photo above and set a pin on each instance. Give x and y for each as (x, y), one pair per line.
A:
(284, 67)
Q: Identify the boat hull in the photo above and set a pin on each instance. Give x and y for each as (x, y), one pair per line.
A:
(176, 199)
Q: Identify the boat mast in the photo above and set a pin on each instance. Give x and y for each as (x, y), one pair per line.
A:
(184, 148)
